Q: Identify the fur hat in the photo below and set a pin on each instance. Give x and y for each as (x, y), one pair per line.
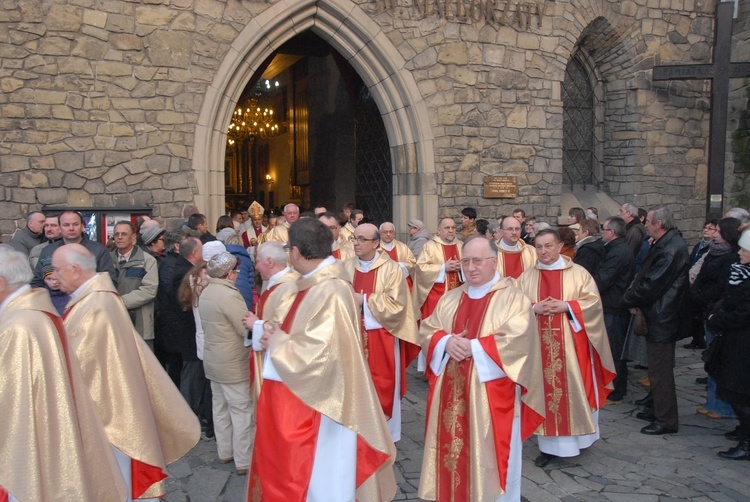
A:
(220, 265)
(212, 248)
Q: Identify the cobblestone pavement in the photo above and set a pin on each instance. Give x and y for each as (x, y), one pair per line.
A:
(623, 466)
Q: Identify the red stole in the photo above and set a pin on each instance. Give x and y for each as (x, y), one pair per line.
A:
(379, 349)
(337, 254)
(512, 265)
(3, 495)
(394, 256)
(259, 312)
(557, 422)
(284, 452)
(452, 280)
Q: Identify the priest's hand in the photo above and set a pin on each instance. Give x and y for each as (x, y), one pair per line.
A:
(452, 265)
(269, 328)
(557, 306)
(359, 298)
(458, 347)
(249, 320)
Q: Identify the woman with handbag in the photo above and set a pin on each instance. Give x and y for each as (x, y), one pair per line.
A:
(731, 320)
(708, 290)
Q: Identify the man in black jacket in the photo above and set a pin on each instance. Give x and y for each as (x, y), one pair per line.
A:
(71, 226)
(613, 277)
(660, 291)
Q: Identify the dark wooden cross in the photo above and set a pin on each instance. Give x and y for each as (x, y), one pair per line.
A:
(720, 71)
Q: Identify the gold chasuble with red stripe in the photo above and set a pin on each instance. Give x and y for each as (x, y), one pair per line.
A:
(143, 413)
(469, 423)
(434, 255)
(574, 386)
(511, 263)
(389, 302)
(318, 355)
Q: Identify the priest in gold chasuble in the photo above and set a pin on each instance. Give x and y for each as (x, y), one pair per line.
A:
(388, 322)
(280, 232)
(514, 256)
(438, 268)
(320, 434)
(578, 365)
(398, 251)
(486, 390)
(52, 443)
(144, 415)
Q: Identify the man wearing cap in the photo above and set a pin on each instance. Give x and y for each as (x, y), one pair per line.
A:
(342, 249)
(272, 262)
(144, 416)
(316, 416)
(438, 268)
(52, 443)
(137, 280)
(397, 251)
(225, 356)
(514, 255)
(280, 232)
(389, 325)
(418, 235)
(152, 236)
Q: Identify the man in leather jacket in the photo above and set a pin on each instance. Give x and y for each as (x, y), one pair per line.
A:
(660, 291)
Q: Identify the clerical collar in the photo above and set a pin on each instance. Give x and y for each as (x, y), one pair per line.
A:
(275, 277)
(559, 264)
(366, 265)
(503, 245)
(328, 261)
(387, 245)
(78, 291)
(477, 292)
(12, 296)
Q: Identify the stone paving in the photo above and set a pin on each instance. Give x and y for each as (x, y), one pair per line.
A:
(624, 466)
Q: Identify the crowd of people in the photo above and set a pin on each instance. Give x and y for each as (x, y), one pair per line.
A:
(286, 334)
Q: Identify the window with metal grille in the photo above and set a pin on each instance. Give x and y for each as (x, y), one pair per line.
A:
(579, 122)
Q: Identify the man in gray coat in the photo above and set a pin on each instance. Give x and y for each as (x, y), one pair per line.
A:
(137, 280)
(31, 235)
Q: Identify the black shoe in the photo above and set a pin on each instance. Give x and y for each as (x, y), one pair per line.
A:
(656, 430)
(701, 380)
(695, 345)
(739, 452)
(645, 401)
(647, 415)
(543, 459)
(209, 434)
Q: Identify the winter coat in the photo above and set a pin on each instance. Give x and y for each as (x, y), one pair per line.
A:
(174, 326)
(104, 261)
(614, 275)
(711, 282)
(416, 241)
(660, 289)
(137, 284)
(246, 277)
(635, 232)
(731, 319)
(24, 240)
(590, 253)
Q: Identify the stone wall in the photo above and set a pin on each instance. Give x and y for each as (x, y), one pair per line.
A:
(100, 98)
(738, 137)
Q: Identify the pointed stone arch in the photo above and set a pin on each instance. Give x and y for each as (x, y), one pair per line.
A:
(352, 32)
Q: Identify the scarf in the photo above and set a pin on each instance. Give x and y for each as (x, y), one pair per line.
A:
(719, 249)
(739, 273)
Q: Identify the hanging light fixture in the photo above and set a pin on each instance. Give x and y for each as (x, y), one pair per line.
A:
(252, 121)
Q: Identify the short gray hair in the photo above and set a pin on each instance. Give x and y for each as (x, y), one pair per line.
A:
(632, 209)
(540, 225)
(31, 215)
(739, 213)
(82, 258)
(617, 225)
(233, 240)
(380, 228)
(14, 268)
(274, 250)
(663, 214)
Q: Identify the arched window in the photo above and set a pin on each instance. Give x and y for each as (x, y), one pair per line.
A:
(580, 146)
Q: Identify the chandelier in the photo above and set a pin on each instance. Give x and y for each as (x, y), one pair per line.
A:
(250, 122)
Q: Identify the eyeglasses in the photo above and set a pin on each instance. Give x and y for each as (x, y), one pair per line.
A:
(360, 239)
(286, 247)
(709, 227)
(475, 261)
(607, 230)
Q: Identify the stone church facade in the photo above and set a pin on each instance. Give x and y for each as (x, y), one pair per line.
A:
(117, 103)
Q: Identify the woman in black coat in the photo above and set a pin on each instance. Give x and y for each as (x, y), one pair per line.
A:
(731, 320)
(707, 290)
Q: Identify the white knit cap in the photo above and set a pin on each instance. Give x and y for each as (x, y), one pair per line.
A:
(745, 240)
(212, 248)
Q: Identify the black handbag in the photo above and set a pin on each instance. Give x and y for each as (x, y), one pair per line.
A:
(712, 355)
